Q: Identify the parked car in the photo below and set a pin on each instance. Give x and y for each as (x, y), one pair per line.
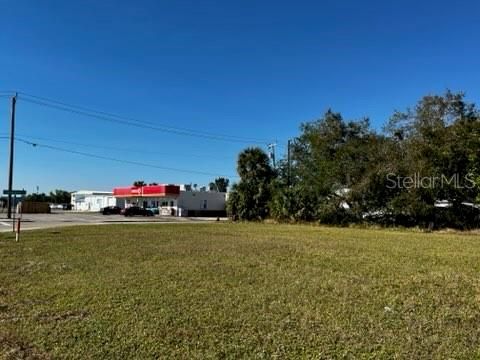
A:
(155, 210)
(136, 210)
(111, 210)
(56, 206)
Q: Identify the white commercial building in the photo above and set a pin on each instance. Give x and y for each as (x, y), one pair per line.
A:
(174, 200)
(88, 200)
(196, 203)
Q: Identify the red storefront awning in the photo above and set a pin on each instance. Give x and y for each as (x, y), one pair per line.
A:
(147, 191)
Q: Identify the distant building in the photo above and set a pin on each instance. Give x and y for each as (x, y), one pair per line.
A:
(88, 200)
(175, 200)
(202, 203)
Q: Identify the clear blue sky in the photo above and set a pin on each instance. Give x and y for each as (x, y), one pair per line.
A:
(255, 69)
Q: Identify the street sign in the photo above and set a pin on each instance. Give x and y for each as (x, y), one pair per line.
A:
(15, 192)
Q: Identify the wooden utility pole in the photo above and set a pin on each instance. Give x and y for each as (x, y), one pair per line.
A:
(10, 167)
(288, 162)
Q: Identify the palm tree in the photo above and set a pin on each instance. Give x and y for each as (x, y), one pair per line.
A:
(253, 163)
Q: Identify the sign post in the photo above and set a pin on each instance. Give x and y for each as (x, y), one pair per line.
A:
(14, 210)
(17, 235)
(14, 193)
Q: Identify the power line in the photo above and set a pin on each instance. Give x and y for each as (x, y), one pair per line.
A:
(96, 156)
(101, 115)
(114, 148)
(136, 124)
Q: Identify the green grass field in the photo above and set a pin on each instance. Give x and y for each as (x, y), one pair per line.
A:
(238, 291)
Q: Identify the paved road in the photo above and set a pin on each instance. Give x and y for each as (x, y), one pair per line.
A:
(66, 218)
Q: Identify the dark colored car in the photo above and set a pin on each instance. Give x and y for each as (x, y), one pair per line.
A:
(111, 210)
(135, 210)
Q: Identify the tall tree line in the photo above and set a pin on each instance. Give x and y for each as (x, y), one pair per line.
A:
(57, 197)
(422, 169)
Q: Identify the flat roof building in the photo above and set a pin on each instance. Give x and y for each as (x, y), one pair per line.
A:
(174, 200)
(91, 200)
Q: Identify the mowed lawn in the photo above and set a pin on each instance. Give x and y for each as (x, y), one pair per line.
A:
(238, 291)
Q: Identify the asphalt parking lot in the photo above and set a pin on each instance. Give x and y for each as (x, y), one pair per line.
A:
(68, 218)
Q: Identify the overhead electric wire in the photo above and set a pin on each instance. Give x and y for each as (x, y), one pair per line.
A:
(20, 136)
(101, 115)
(138, 125)
(138, 163)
